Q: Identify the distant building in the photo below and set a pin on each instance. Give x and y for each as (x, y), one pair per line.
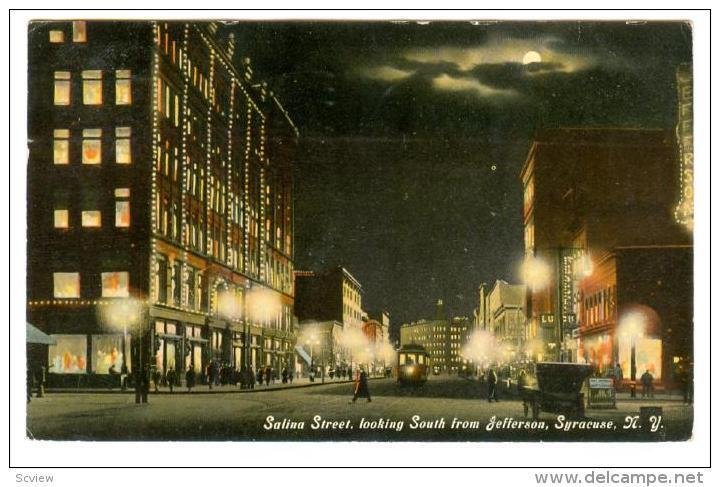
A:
(333, 294)
(507, 318)
(442, 338)
(481, 314)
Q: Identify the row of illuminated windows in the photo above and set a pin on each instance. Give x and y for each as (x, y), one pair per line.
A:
(109, 354)
(530, 234)
(92, 218)
(168, 102)
(79, 33)
(92, 87)
(92, 146)
(114, 284)
(600, 306)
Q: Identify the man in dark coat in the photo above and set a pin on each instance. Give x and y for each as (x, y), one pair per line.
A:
(190, 378)
(492, 385)
(171, 378)
(361, 387)
(647, 383)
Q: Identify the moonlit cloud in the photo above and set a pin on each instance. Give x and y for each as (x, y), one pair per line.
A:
(448, 83)
(501, 51)
(386, 73)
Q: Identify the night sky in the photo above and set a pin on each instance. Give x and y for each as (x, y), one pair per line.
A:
(413, 136)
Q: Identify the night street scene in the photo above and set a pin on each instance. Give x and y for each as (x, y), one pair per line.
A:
(373, 231)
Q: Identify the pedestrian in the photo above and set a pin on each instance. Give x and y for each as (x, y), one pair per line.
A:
(361, 387)
(124, 372)
(251, 378)
(492, 385)
(259, 376)
(284, 375)
(170, 378)
(268, 375)
(113, 373)
(29, 381)
(618, 376)
(291, 374)
(157, 377)
(190, 378)
(211, 371)
(647, 383)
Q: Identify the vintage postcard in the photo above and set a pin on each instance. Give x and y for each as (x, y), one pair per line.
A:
(360, 230)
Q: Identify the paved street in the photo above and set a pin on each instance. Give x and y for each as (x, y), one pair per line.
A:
(446, 409)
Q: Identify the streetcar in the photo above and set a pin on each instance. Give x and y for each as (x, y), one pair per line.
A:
(412, 367)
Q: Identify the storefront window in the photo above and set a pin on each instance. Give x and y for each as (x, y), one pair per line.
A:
(648, 356)
(68, 355)
(107, 351)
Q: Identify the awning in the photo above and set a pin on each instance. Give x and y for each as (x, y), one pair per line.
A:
(33, 335)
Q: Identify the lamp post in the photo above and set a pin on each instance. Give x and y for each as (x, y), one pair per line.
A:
(632, 326)
(124, 313)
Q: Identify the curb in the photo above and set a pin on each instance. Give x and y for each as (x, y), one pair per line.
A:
(204, 389)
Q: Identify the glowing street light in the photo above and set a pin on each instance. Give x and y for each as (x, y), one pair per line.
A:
(632, 325)
(535, 273)
(121, 314)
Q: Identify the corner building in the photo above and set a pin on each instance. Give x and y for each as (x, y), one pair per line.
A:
(160, 215)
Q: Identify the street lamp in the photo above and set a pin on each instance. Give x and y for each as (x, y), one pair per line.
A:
(535, 273)
(632, 326)
(124, 313)
(311, 341)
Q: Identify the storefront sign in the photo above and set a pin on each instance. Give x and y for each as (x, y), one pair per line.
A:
(601, 392)
(547, 320)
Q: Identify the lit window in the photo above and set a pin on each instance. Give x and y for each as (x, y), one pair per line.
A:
(92, 87)
(66, 284)
(62, 88)
(79, 31)
(57, 36)
(61, 146)
(122, 207)
(61, 219)
(123, 154)
(91, 146)
(91, 218)
(123, 91)
(115, 285)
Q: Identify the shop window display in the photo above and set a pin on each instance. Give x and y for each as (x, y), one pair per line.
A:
(68, 355)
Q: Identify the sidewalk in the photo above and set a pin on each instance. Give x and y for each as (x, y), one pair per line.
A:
(205, 389)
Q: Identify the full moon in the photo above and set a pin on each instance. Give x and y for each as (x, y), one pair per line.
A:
(531, 57)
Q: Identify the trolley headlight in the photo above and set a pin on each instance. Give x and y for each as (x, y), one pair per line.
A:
(411, 369)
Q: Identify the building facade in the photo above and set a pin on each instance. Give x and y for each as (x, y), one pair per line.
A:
(442, 338)
(160, 214)
(506, 312)
(590, 195)
(333, 294)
